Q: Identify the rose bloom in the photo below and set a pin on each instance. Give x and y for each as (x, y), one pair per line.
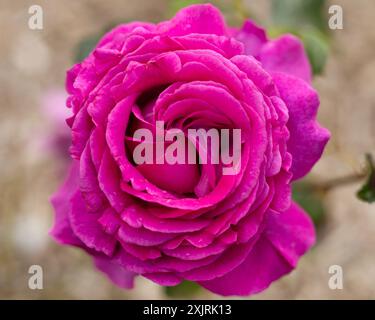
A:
(232, 234)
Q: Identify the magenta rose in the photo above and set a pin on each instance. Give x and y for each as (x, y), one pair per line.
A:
(232, 234)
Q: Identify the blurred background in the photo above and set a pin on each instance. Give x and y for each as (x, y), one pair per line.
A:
(34, 140)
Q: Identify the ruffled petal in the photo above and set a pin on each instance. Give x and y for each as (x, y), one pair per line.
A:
(287, 237)
(252, 36)
(85, 225)
(62, 231)
(286, 54)
(195, 19)
(307, 139)
(117, 274)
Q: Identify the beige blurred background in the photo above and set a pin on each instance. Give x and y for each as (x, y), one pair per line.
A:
(33, 62)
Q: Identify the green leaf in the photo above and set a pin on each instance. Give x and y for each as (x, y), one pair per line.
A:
(299, 13)
(310, 199)
(367, 192)
(184, 289)
(317, 48)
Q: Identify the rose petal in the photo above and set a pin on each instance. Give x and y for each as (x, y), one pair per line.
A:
(86, 227)
(252, 36)
(195, 19)
(287, 237)
(307, 139)
(117, 274)
(62, 231)
(286, 54)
